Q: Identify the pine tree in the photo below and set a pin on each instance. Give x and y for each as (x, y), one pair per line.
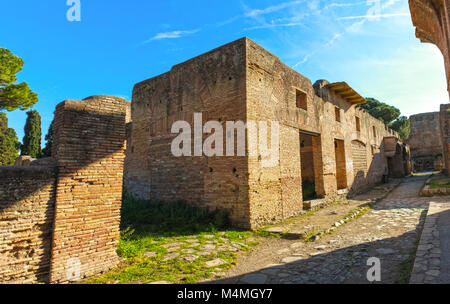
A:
(9, 143)
(32, 139)
(13, 95)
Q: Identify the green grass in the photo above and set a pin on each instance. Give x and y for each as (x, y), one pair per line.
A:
(147, 227)
(170, 218)
(440, 183)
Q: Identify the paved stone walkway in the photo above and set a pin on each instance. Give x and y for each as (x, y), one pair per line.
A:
(389, 232)
(432, 263)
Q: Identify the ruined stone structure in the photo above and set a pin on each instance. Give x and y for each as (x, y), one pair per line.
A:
(59, 218)
(324, 138)
(432, 21)
(445, 135)
(425, 142)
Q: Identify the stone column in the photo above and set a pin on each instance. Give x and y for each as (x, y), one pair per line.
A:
(89, 149)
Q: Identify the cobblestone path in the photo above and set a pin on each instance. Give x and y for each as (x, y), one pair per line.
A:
(389, 231)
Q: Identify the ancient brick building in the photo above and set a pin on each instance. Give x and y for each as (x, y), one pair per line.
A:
(425, 142)
(325, 139)
(432, 21)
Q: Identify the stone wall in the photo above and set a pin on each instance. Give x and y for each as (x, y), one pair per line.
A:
(59, 217)
(212, 84)
(276, 193)
(445, 135)
(88, 145)
(242, 81)
(425, 141)
(27, 202)
(432, 21)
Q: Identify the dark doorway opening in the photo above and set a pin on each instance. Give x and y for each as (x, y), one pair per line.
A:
(311, 166)
(341, 167)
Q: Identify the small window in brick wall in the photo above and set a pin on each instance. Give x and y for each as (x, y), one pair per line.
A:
(337, 114)
(302, 100)
(358, 124)
(374, 132)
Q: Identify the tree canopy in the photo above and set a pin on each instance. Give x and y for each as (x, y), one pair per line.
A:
(9, 143)
(380, 110)
(389, 115)
(13, 96)
(402, 126)
(32, 139)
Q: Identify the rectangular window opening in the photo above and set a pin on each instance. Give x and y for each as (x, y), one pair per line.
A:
(337, 114)
(302, 100)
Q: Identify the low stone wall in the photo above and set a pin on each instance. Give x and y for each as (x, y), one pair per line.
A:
(427, 191)
(27, 203)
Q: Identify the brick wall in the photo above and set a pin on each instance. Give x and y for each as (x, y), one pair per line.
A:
(212, 84)
(27, 199)
(275, 193)
(63, 215)
(243, 81)
(445, 135)
(88, 146)
(425, 140)
(432, 21)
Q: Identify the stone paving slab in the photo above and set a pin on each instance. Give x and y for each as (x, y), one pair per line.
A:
(432, 263)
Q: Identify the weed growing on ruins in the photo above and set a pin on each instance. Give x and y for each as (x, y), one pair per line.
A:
(170, 218)
(174, 242)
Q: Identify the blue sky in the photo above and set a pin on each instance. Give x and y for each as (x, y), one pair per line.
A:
(119, 43)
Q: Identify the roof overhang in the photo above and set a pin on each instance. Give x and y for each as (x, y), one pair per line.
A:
(343, 90)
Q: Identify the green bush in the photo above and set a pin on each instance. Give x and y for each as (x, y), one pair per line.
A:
(170, 218)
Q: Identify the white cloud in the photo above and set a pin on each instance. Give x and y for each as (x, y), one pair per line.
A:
(374, 17)
(273, 25)
(256, 12)
(172, 35)
(389, 3)
(326, 45)
(344, 4)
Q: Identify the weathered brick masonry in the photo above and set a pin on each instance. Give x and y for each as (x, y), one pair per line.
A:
(342, 146)
(50, 215)
(27, 202)
(425, 141)
(89, 150)
(432, 21)
(445, 135)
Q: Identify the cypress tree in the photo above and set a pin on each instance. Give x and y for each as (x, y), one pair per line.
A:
(9, 143)
(47, 151)
(32, 139)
